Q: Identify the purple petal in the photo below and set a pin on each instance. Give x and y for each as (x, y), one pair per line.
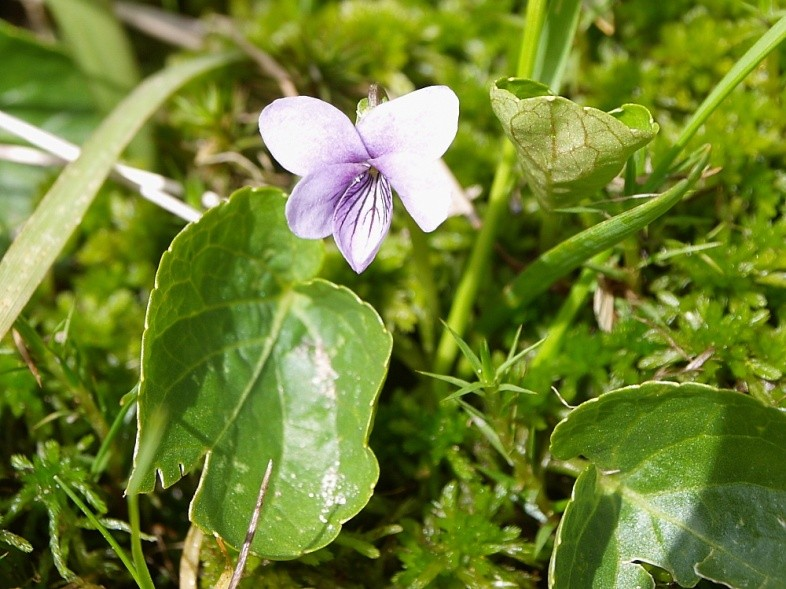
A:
(424, 188)
(311, 205)
(305, 133)
(422, 122)
(362, 219)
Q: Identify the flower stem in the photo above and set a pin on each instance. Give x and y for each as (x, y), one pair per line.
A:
(425, 273)
(103, 531)
(478, 261)
(498, 201)
(145, 580)
(575, 301)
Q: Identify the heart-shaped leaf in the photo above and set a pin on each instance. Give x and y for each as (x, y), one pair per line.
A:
(246, 358)
(568, 152)
(685, 477)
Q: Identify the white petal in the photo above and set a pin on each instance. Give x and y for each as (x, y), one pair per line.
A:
(362, 219)
(305, 133)
(313, 201)
(422, 122)
(424, 187)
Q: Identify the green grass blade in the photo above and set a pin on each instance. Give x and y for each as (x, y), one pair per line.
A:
(101, 530)
(556, 41)
(573, 252)
(488, 432)
(46, 231)
(100, 48)
(753, 57)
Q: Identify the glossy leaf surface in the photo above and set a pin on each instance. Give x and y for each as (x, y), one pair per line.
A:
(246, 358)
(683, 477)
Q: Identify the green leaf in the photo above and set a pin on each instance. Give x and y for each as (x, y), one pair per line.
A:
(471, 357)
(487, 430)
(247, 358)
(47, 230)
(686, 477)
(568, 152)
(16, 541)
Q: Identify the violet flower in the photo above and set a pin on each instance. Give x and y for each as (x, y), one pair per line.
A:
(349, 170)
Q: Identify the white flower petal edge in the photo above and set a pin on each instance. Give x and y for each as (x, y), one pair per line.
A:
(314, 199)
(305, 134)
(422, 122)
(423, 187)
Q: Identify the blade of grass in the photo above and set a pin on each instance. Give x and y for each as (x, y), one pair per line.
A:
(488, 432)
(45, 233)
(127, 403)
(753, 57)
(556, 41)
(100, 48)
(104, 532)
(573, 252)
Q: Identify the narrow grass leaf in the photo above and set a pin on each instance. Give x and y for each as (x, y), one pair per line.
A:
(488, 432)
(556, 41)
(100, 48)
(473, 359)
(573, 252)
(47, 230)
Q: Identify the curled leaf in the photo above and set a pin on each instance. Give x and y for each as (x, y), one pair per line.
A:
(567, 152)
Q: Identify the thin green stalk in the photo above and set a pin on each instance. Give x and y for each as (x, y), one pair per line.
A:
(559, 327)
(425, 273)
(752, 58)
(145, 580)
(533, 30)
(102, 530)
(467, 290)
(63, 373)
(102, 456)
(478, 261)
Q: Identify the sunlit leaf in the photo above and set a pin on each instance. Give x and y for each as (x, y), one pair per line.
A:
(683, 477)
(568, 152)
(247, 359)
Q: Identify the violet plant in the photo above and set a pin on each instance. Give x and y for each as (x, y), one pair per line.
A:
(262, 368)
(349, 171)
